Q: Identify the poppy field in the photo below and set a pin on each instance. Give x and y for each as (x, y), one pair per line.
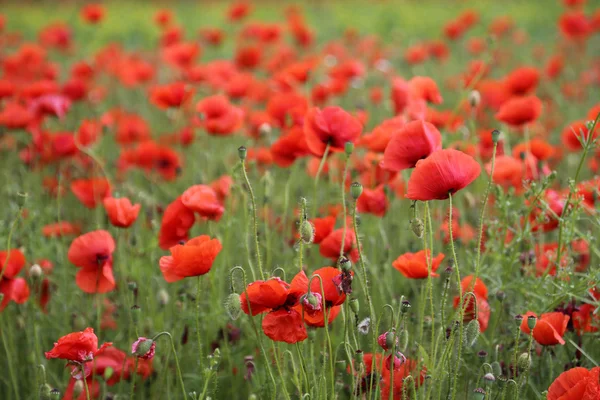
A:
(320, 200)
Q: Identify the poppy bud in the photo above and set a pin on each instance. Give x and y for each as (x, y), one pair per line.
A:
(489, 378)
(518, 320)
(108, 373)
(417, 227)
(143, 348)
(349, 148)
(163, 297)
(386, 340)
(524, 362)
(135, 313)
(479, 394)
(356, 190)
(403, 339)
(531, 321)
(132, 286)
(253, 397)
(358, 357)
(35, 271)
(55, 394)
(341, 365)
(312, 301)
(405, 306)
(495, 135)
(474, 98)
(344, 263)
(45, 390)
(233, 307)
(354, 306)
(496, 368)
(307, 232)
(242, 153)
(472, 332)
(500, 295)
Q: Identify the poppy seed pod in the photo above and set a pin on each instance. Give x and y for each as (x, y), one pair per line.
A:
(54, 394)
(307, 232)
(233, 307)
(242, 153)
(135, 313)
(489, 378)
(495, 135)
(359, 357)
(417, 227)
(479, 394)
(518, 319)
(405, 306)
(356, 190)
(531, 321)
(349, 148)
(344, 263)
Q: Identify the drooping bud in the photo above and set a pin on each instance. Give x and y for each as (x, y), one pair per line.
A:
(472, 332)
(344, 263)
(355, 306)
(242, 153)
(417, 226)
(307, 232)
(44, 392)
(495, 135)
(524, 362)
(531, 321)
(348, 148)
(311, 301)
(233, 307)
(143, 348)
(386, 340)
(356, 190)
(474, 98)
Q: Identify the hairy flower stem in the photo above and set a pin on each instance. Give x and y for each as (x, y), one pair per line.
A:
(254, 219)
(11, 371)
(429, 258)
(366, 289)
(10, 233)
(179, 375)
(84, 379)
(132, 389)
(198, 336)
(481, 215)
(456, 371)
(344, 205)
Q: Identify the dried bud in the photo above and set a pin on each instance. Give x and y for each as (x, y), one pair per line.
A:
(35, 271)
(531, 321)
(474, 98)
(495, 135)
(472, 332)
(233, 307)
(143, 348)
(307, 232)
(364, 325)
(242, 153)
(356, 190)
(344, 263)
(417, 226)
(348, 148)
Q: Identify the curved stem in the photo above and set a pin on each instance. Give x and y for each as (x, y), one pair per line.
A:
(176, 360)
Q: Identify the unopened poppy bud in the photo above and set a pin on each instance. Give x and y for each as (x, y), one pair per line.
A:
(524, 362)
(495, 135)
(349, 148)
(253, 397)
(344, 263)
(135, 313)
(417, 226)
(474, 98)
(143, 348)
(108, 373)
(35, 271)
(489, 378)
(496, 368)
(44, 392)
(405, 306)
(472, 332)
(500, 295)
(478, 394)
(356, 190)
(518, 320)
(242, 153)
(403, 340)
(552, 176)
(386, 340)
(163, 297)
(307, 232)
(358, 357)
(233, 307)
(354, 306)
(531, 321)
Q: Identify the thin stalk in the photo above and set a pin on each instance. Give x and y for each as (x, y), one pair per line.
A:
(198, 336)
(179, 375)
(84, 379)
(456, 371)
(132, 389)
(254, 219)
(11, 370)
(318, 175)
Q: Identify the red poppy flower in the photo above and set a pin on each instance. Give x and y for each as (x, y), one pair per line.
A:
(92, 252)
(264, 295)
(373, 201)
(220, 117)
(77, 346)
(121, 212)
(425, 88)
(520, 111)
(239, 10)
(508, 172)
(539, 148)
(14, 289)
(444, 172)
(576, 384)
(92, 13)
(413, 142)
(114, 360)
(522, 80)
(331, 125)
(204, 200)
(381, 135)
(330, 246)
(15, 116)
(574, 132)
(176, 223)
(287, 108)
(584, 320)
(63, 228)
(194, 258)
(290, 146)
(414, 265)
(574, 25)
(400, 95)
(92, 191)
(174, 94)
(549, 328)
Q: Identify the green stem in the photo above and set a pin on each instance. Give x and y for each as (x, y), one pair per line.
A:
(84, 379)
(198, 335)
(179, 375)
(254, 219)
(11, 370)
(132, 389)
(456, 371)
